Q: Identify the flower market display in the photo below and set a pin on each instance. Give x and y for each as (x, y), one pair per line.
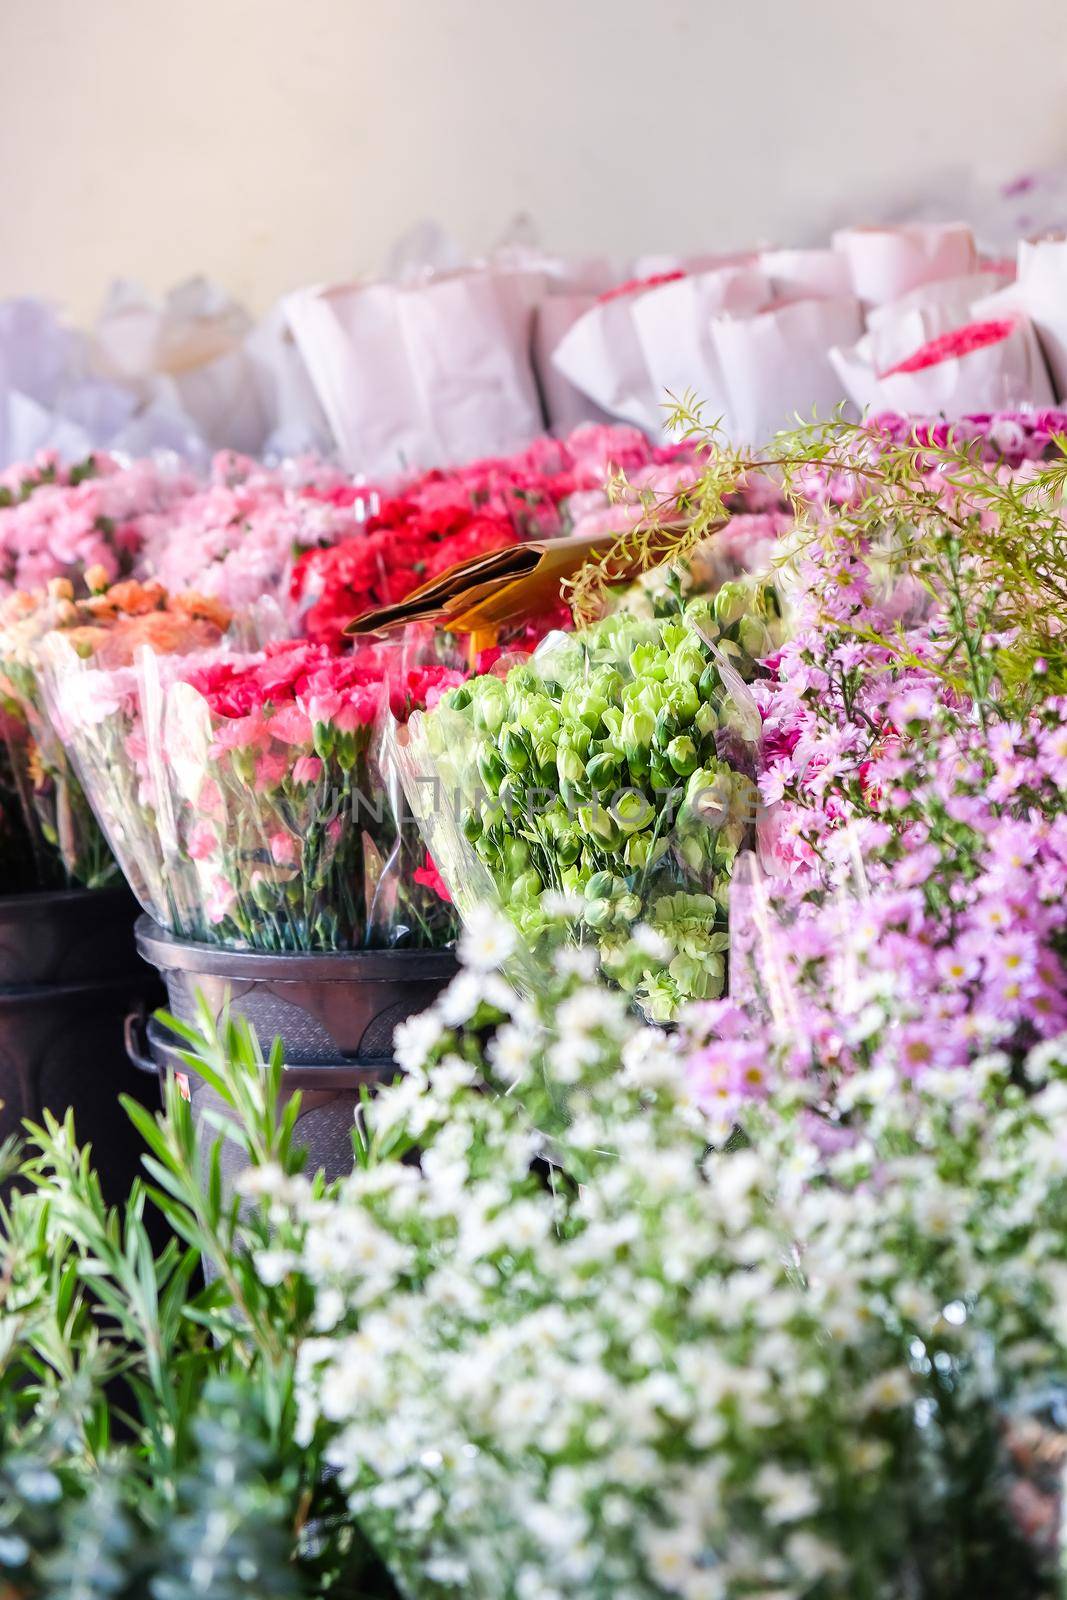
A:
(294, 552)
(766, 1303)
(710, 1239)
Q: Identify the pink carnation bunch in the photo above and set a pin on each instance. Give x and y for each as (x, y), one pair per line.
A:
(243, 795)
(57, 523)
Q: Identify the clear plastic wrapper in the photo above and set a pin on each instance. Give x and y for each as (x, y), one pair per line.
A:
(608, 776)
(1034, 1439)
(242, 794)
(103, 631)
(64, 836)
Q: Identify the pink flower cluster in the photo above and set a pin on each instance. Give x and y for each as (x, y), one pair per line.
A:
(236, 536)
(1009, 436)
(56, 522)
(908, 915)
(325, 547)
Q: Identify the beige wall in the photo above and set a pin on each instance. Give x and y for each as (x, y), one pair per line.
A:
(270, 142)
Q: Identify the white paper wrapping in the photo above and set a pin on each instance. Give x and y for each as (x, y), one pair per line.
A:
(674, 323)
(629, 351)
(572, 288)
(565, 404)
(997, 377)
(897, 329)
(655, 264)
(885, 263)
(50, 399)
(777, 365)
(40, 357)
(806, 274)
(601, 356)
(1040, 294)
(187, 350)
(416, 376)
(298, 424)
(26, 427)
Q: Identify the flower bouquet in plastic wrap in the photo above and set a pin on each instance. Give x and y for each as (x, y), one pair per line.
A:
(241, 794)
(610, 775)
(107, 627)
(58, 521)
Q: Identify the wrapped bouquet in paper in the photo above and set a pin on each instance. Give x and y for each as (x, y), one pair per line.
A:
(295, 419)
(600, 355)
(674, 325)
(885, 263)
(900, 327)
(650, 336)
(566, 405)
(805, 274)
(1039, 294)
(571, 289)
(993, 365)
(188, 350)
(776, 365)
(417, 375)
(49, 399)
(610, 776)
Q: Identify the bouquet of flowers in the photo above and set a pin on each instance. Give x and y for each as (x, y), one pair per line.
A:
(57, 521)
(442, 518)
(611, 772)
(241, 791)
(108, 627)
(237, 536)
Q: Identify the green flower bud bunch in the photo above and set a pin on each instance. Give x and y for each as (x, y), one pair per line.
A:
(745, 617)
(589, 779)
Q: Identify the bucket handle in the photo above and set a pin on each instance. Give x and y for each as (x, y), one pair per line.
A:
(135, 1038)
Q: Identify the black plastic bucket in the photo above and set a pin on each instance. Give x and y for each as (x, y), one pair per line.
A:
(68, 936)
(334, 1013)
(69, 977)
(328, 1099)
(329, 1009)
